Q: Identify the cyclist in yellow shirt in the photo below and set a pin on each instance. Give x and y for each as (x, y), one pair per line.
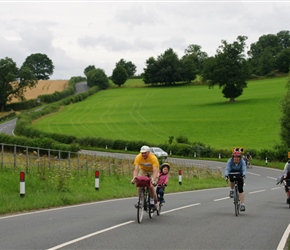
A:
(147, 164)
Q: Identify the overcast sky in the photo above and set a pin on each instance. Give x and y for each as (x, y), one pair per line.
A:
(76, 34)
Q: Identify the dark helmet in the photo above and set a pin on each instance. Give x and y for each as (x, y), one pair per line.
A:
(236, 153)
(164, 165)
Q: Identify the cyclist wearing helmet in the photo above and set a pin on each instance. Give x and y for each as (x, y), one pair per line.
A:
(162, 181)
(146, 164)
(236, 164)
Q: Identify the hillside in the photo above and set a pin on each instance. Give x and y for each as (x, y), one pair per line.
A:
(44, 87)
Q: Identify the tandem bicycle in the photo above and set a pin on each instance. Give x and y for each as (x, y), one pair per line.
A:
(143, 183)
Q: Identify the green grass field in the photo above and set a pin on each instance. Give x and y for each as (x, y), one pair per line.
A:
(153, 114)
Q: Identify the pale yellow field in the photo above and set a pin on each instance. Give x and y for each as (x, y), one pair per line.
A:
(44, 87)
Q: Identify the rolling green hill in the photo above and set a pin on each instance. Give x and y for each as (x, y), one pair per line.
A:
(153, 114)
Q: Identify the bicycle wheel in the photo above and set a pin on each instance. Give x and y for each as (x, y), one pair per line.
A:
(159, 208)
(236, 202)
(151, 211)
(141, 204)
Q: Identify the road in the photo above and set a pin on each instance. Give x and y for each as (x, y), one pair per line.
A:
(8, 127)
(189, 220)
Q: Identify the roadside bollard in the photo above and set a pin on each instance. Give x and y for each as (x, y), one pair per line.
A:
(266, 161)
(97, 180)
(22, 184)
(180, 176)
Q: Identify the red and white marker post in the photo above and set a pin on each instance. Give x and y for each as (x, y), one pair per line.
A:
(22, 184)
(97, 180)
(180, 176)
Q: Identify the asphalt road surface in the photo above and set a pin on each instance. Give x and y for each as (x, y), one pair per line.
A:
(8, 127)
(202, 219)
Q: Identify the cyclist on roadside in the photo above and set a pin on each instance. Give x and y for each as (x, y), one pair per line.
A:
(162, 181)
(236, 164)
(286, 176)
(147, 164)
(248, 159)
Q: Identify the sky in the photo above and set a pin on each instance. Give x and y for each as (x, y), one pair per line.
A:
(76, 34)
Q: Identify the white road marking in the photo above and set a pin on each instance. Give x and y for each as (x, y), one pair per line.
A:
(253, 173)
(221, 199)
(284, 238)
(175, 209)
(258, 191)
(90, 235)
(111, 228)
(269, 177)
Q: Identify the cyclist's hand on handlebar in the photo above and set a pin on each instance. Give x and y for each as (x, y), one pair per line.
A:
(153, 182)
(133, 180)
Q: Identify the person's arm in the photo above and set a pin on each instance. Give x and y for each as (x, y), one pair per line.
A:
(136, 170)
(244, 169)
(228, 168)
(286, 170)
(155, 174)
(166, 180)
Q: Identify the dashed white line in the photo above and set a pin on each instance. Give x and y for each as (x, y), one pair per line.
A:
(90, 235)
(258, 191)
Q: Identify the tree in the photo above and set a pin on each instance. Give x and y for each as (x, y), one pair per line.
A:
(283, 60)
(14, 81)
(199, 56)
(40, 65)
(119, 76)
(166, 69)
(87, 69)
(264, 53)
(285, 119)
(128, 66)
(189, 67)
(97, 77)
(228, 68)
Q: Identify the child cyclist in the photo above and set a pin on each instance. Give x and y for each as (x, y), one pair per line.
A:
(162, 181)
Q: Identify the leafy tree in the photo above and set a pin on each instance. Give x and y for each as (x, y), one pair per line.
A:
(285, 119)
(283, 60)
(97, 77)
(228, 68)
(189, 67)
(263, 54)
(166, 69)
(150, 74)
(119, 76)
(198, 55)
(128, 66)
(40, 65)
(87, 69)
(14, 81)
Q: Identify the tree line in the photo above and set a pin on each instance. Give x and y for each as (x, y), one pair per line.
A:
(229, 68)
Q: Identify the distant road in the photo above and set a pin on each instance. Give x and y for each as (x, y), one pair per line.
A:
(8, 127)
(81, 87)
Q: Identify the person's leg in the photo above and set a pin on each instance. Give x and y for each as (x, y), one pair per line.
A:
(161, 193)
(242, 194)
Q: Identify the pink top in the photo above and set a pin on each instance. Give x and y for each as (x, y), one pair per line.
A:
(163, 178)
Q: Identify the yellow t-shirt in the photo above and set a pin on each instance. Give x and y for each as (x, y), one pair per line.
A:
(147, 164)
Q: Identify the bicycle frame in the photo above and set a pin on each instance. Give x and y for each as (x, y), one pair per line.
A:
(236, 176)
(143, 183)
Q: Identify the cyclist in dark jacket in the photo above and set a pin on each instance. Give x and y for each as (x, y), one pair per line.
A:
(236, 164)
(286, 176)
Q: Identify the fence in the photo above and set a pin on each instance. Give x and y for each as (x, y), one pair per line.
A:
(31, 160)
